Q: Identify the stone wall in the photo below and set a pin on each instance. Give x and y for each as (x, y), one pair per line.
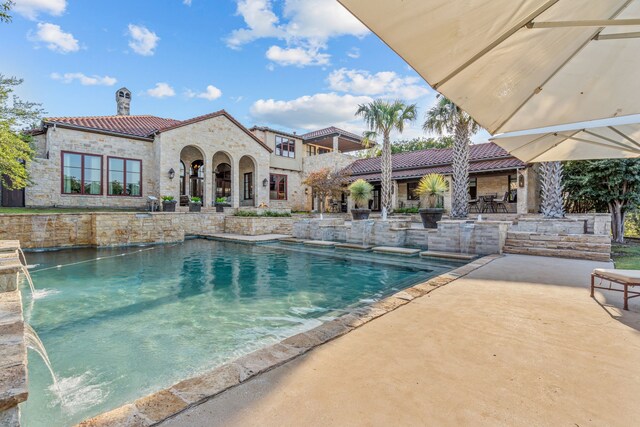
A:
(255, 226)
(48, 230)
(474, 237)
(46, 172)
(296, 199)
(592, 247)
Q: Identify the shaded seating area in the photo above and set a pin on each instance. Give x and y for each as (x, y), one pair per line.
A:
(625, 278)
(489, 203)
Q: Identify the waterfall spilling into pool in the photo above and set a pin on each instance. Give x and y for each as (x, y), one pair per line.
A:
(32, 341)
(119, 324)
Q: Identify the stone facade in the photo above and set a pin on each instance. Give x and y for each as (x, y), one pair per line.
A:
(46, 168)
(254, 226)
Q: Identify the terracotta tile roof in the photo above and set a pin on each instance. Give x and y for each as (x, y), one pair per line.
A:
(142, 126)
(482, 158)
(329, 131)
(276, 131)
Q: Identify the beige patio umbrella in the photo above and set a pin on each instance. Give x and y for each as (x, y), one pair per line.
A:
(518, 64)
(580, 143)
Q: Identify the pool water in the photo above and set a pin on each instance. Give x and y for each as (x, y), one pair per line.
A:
(119, 324)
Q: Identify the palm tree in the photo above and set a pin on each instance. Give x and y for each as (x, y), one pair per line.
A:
(445, 117)
(552, 203)
(382, 117)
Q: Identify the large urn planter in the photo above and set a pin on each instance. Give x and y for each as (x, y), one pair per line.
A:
(431, 216)
(195, 206)
(359, 214)
(169, 206)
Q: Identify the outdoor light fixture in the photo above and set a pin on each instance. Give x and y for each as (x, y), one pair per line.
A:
(172, 173)
(521, 181)
(306, 191)
(265, 182)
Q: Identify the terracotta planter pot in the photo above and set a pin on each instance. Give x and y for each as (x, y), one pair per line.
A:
(359, 214)
(431, 216)
(169, 206)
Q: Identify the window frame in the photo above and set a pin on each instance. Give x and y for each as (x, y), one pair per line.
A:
(250, 186)
(475, 182)
(410, 192)
(512, 198)
(82, 155)
(286, 185)
(124, 174)
(290, 143)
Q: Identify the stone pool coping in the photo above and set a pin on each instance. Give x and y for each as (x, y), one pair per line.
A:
(157, 407)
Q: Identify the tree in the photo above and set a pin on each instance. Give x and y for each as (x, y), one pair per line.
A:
(5, 8)
(605, 184)
(446, 117)
(416, 144)
(15, 150)
(383, 117)
(552, 200)
(325, 183)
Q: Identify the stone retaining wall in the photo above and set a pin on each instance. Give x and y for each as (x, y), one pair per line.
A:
(255, 226)
(580, 246)
(47, 230)
(473, 237)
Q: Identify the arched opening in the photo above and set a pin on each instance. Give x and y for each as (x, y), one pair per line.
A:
(192, 174)
(222, 177)
(247, 177)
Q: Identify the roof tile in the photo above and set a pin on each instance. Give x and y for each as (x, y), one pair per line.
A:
(126, 125)
(329, 131)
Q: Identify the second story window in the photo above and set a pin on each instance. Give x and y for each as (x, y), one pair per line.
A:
(285, 147)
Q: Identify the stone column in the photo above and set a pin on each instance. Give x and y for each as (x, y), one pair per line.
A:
(394, 195)
(336, 145)
(235, 183)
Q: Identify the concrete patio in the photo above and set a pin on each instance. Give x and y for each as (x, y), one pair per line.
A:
(517, 342)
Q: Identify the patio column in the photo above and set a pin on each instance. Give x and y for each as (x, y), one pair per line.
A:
(394, 195)
(235, 182)
(336, 145)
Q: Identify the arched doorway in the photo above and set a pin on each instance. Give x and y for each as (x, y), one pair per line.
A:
(247, 177)
(222, 176)
(192, 174)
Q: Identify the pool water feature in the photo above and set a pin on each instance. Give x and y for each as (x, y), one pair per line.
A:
(119, 324)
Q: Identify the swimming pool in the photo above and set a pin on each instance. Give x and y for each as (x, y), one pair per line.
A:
(119, 324)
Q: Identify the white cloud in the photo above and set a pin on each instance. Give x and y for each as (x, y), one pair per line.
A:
(85, 80)
(162, 90)
(55, 39)
(143, 41)
(354, 53)
(306, 25)
(309, 112)
(387, 84)
(210, 94)
(297, 56)
(32, 8)
(187, 2)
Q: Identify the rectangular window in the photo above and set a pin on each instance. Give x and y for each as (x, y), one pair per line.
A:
(311, 150)
(285, 147)
(323, 150)
(81, 174)
(411, 191)
(278, 187)
(124, 177)
(513, 188)
(248, 186)
(473, 188)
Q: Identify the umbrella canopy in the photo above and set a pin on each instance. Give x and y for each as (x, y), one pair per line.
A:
(518, 64)
(604, 142)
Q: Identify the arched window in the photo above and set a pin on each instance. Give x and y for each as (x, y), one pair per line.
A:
(197, 169)
(223, 180)
(127, 95)
(121, 94)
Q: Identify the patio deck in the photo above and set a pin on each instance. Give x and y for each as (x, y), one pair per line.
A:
(517, 342)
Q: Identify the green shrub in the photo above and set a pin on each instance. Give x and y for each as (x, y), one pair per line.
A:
(221, 200)
(361, 192)
(167, 198)
(196, 200)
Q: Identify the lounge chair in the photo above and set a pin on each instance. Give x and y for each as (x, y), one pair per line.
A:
(626, 278)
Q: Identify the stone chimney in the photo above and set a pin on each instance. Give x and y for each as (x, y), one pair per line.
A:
(123, 99)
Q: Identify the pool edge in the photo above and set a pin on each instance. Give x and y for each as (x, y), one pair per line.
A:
(167, 403)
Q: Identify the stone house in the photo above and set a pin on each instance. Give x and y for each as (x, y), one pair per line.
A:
(493, 173)
(118, 161)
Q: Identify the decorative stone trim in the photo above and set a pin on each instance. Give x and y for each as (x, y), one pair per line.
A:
(164, 404)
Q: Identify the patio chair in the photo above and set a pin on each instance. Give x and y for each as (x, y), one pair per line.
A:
(487, 202)
(626, 278)
(502, 204)
(474, 204)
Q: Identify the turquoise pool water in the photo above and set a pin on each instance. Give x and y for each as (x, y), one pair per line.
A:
(119, 324)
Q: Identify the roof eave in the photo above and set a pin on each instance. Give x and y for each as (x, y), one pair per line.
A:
(63, 125)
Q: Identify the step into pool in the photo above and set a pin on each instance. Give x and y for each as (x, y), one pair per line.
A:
(119, 324)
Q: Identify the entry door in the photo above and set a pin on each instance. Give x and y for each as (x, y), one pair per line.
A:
(375, 203)
(12, 198)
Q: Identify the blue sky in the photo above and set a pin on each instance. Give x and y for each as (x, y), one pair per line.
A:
(291, 64)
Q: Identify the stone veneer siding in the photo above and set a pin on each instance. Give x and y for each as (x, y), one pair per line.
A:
(46, 173)
(255, 226)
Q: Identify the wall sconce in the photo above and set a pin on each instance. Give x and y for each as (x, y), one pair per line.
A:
(520, 180)
(172, 173)
(306, 191)
(265, 182)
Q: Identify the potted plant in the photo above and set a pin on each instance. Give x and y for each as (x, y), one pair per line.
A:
(221, 203)
(168, 204)
(195, 204)
(433, 186)
(361, 192)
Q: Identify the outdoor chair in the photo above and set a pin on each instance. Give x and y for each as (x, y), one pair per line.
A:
(488, 204)
(474, 204)
(502, 204)
(626, 278)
